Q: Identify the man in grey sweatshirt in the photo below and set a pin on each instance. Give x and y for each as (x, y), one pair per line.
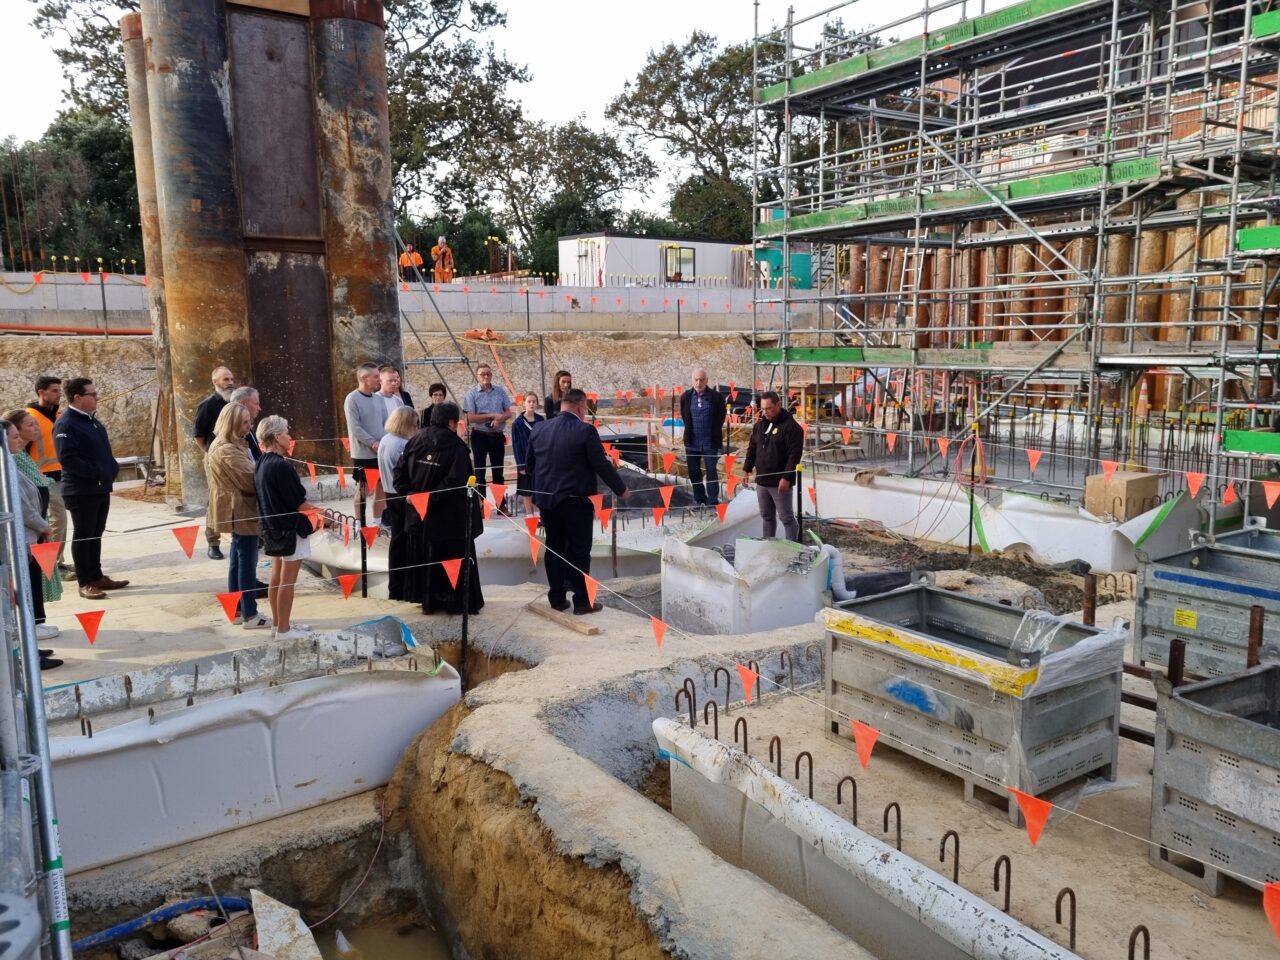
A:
(366, 414)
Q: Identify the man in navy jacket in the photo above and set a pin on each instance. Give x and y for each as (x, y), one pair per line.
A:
(565, 458)
(89, 470)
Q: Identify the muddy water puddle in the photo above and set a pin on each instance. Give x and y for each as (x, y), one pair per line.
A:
(385, 941)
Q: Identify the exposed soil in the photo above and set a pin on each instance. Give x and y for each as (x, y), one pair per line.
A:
(657, 785)
(492, 870)
(480, 665)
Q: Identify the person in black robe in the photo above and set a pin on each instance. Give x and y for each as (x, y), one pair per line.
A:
(437, 461)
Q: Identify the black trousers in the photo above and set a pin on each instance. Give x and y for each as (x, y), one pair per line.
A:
(34, 573)
(568, 555)
(88, 520)
(489, 447)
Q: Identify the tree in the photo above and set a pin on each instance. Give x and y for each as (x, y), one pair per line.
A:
(564, 214)
(713, 207)
(86, 41)
(469, 236)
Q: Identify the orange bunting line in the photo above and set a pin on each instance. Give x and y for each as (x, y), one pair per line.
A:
(46, 555)
(943, 443)
(606, 514)
(1033, 459)
(667, 460)
(486, 508)
(592, 586)
(1195, 481)
(314, 516)
(730, 481)
(813, 495)
(729, 460)
(292, 444)
(311, 469)
(659, 630)
(631, 395)
(346, 444)
(499, 493)
(347, 581)
(230, 602)
(186, 537)
(531, 524)
(864, 737)
(749, 678)
(658, 514)
(1034, 810)
(90, 621)
(371, 477)
(846, 434)
(1271, 905)
(892, 440)
(1271, 489)
(665, 492)
(616, 456)
(597, 501)
(346, 533)
(420, 502)
(370, 534)
(1109, 468)
(452, 568)
(721, 510)
(1229, 495)
(342, 479)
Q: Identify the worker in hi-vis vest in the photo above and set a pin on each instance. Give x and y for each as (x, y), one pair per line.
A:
(43, 452)
(443, 257)
(410, 264)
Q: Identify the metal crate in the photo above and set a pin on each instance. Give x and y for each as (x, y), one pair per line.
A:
(1216, 779)
(982, 691)
(1203, 596)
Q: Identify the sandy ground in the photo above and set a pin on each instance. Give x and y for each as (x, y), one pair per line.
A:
(1117, 887)
(170, 610)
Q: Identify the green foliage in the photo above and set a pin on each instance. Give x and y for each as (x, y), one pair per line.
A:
(712, 207)
(563, 214)
(85, 37)
(78, 193)
(469, 236)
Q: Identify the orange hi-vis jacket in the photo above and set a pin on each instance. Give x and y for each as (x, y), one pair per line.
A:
(45, 454)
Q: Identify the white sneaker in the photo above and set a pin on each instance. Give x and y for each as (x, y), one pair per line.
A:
(46, 631)
(259, 622)
(292, 634)
(237, 620)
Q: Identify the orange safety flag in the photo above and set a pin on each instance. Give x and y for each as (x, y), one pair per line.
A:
(658, 514)
(1034, 810)
(90, 620)
(864, 738)
(749, 678)
(729, 460)
(346, 533)
(615, 456)
(721, 509)
(846, 433)
(597, 501)
(1109, 468)
(667, 460)
(1033, 459)
(630, 395)
(813, 495)
(342, 479)
(592, 585)
(486, 508)
(346, 444)
(370, 534)
(1229, 495)
(892, 440)
(730, 481)
(499, 493)
(659, 630)
(943, 444)
(187, 538)
(1271, 489)
(452, 568)
(311, 469)
(531, 524)
(420, 502)
(314, 516)
(1271, 905)
(605, 515)
(1195, 481)
(230, 601)
(347, 581)
(371, 477)
(46, 555)
(665, 492)
(292, 444)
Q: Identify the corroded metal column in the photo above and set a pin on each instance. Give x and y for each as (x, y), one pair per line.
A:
(199, 214)
(152, 251)
(354, 148)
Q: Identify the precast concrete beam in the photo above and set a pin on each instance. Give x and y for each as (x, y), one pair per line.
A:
(135, 70)
(188, 91)
(354, 148)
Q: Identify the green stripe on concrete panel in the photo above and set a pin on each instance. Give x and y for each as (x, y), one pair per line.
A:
(1251, 441)
(1266, 24)
(948, 36)
(1258, 238)
(1157, 521)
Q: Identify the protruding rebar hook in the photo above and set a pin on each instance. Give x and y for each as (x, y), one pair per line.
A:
(741, 722)
(897, 815)
(715, 717)
(807, 756)
(1067, 892)
(955, 860)
(1008, 878)
(853, 795)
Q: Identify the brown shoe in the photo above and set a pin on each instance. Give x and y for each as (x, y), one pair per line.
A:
(91, 591)
(106, 583)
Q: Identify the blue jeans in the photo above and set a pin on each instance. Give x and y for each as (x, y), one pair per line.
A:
(699, 460)
(242, 572)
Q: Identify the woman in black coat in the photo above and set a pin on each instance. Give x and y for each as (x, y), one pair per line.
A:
(437, 461)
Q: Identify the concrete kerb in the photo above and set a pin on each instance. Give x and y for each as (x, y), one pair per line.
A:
(601, 707)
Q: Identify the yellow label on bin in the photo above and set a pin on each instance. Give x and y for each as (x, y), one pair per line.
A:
(1184, 618)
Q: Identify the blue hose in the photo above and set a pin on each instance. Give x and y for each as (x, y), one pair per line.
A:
(159, 915)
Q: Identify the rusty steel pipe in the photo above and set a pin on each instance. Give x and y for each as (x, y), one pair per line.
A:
(1090, 614)
(1257, 618)
(199, 211)
(1177, 661)
(135, 70)
(353, 141)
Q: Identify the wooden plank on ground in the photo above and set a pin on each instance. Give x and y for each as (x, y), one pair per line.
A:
(569, 620)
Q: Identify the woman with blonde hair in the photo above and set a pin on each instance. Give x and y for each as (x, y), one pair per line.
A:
(233, 508)
(400, 426)
(282, 502)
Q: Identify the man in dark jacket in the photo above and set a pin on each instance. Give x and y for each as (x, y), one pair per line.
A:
(89, 470)
(777, 443)
(702, 410)
(224, 383)
(565, 457)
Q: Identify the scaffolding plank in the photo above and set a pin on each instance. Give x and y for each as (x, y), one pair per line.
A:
(1251, 441)
(1258, 238)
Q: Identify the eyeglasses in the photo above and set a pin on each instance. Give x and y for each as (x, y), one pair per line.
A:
(89, 393)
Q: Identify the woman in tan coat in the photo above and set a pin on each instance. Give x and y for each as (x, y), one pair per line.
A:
(233, 508)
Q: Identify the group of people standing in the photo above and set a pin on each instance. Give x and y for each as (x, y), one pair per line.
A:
(412, 267)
